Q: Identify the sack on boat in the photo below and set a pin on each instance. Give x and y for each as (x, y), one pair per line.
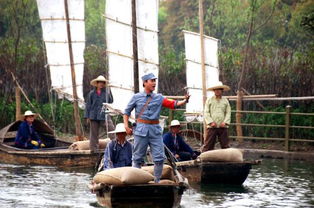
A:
(222, 155)
(135, 176)
(167, 172)
(111, 176)
(84, 145)
(123, 175)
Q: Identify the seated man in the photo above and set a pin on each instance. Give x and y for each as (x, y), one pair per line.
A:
(176, 144)
(26, 136)
(118, 152)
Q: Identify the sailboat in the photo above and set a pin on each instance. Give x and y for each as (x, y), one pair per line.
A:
(206, 172)
(63, 33)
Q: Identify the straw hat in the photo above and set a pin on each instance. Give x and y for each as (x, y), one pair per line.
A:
(98, 79)
(174, 123)
(28, 113)
(119, 129)
(219, 85)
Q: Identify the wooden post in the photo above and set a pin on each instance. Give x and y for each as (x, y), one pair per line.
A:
(170, 116)
(287, 128)
(135, 50)
(18, 103)
(75, 97)
(238, 116)
(201, 25)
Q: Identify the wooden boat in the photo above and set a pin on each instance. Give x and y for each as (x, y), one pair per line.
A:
(56, 153)
(215, 172)
(141, 195)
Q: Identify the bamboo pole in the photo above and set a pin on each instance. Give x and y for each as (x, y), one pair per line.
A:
(18, 103)
(238, 117)
(201, 28)
(135, 49)
(75, 97)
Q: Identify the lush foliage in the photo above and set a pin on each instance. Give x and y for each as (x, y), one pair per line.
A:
(279, 53)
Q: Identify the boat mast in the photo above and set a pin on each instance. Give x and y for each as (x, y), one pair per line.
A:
(75, 97)
(135, 51)
(201, 27)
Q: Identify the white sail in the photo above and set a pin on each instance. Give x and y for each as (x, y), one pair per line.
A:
(53, 21)
(120, 46)
(194, 68)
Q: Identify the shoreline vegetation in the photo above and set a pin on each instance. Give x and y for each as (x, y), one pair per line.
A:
(279, 58)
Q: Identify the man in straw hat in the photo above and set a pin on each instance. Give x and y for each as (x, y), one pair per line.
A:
(94, 112)
(118, 152)
(176, 144)
(217, 115)
(26, 136)
(147, 131)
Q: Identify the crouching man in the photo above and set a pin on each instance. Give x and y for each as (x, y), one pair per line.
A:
(118, 152)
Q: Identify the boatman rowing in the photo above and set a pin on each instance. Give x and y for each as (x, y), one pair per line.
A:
(147, 131)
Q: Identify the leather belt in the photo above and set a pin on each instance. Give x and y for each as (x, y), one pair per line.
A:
(147, 121)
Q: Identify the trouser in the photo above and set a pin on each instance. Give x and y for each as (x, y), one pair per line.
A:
(212, 134)
(157, 148)
(94, 131)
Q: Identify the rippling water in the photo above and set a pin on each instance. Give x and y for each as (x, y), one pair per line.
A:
(274, 183)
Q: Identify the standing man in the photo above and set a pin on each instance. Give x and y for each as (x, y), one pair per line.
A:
(217, 114)
(147, 131)
(118, 152)
(94, 112)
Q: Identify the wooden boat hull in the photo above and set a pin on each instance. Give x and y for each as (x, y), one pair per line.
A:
(53, 157)
(144, 195)
(215, 172)
(57, 155)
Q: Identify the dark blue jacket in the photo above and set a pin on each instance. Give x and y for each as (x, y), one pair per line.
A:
(94, 104)
(117, 155)
(25, 134)
(178, 146)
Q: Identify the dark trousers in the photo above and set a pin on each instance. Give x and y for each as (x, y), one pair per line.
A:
(212, 134)
(94, 132)
(184, 156)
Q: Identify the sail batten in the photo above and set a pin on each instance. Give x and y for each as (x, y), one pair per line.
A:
(118, 18)
(54, 28)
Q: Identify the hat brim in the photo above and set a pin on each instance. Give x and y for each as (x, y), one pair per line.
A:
(22, 117)
(224, 87)
(94, 82)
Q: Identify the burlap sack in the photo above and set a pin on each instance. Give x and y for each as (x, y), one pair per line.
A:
(111, 176)
(123, 175)
(135, 176)
(84, 145)
(222, 155)
(167, 172)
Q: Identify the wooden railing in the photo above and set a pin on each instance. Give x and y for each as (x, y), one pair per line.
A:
(287, 126)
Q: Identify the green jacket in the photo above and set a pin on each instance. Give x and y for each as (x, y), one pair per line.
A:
(217, 110)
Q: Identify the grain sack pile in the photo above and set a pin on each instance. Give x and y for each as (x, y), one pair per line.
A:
(167, 172)
(221, 155)
(124, 175)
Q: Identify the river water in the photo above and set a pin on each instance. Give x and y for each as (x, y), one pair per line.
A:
(274, 183)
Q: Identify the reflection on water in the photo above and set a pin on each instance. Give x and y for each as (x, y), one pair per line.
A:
(274, 183)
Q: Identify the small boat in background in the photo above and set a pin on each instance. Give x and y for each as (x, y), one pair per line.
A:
(215, 172)
(56, 153)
